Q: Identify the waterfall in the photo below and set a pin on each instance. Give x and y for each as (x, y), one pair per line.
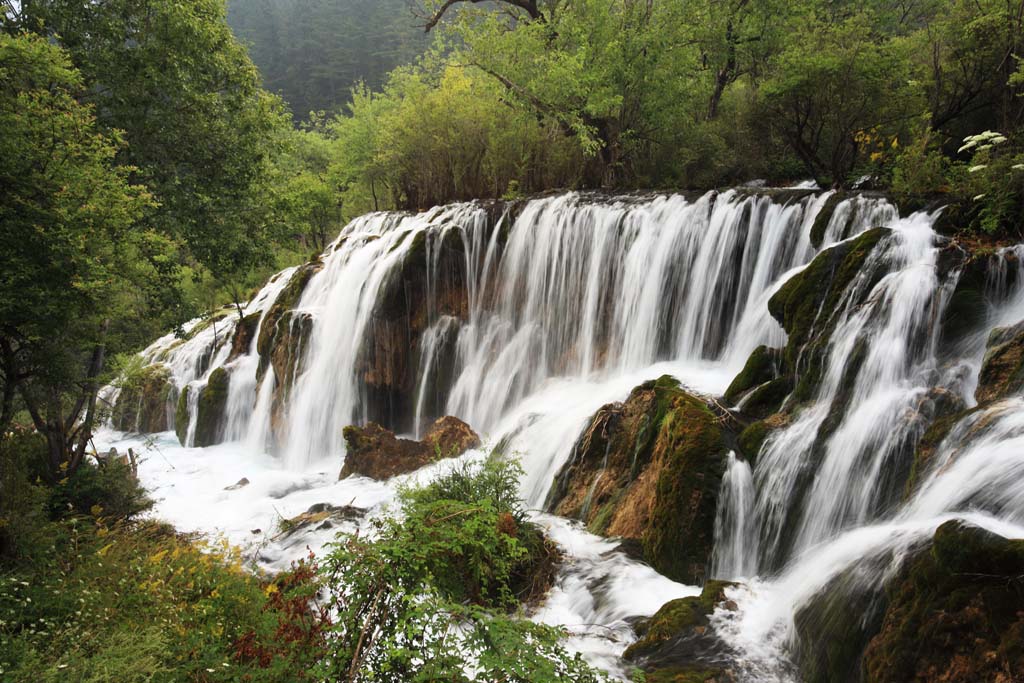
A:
(525, 318)
(735, 551)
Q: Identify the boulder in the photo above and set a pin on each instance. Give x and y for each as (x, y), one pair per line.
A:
(375, 452)
(955, 614)
(678, 645)
(245, 332)
(143, 402)
(319, 516)
(1002, 370)
(211, 409)
(648, 470)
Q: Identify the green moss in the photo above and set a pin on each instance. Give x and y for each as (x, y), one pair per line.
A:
(678, 541)
(762, 366)
(807, 303)
(286, 301)
(768, 398)
(937, 431)
(181, 416)
(957, 608)
(676, 617)
(966, 309)
(599, 524)
(142, 402)
(210, 413)
(824, 217)
(751, 439)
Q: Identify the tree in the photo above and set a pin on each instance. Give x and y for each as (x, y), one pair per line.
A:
(836, 84)
(200, 131)
(69, 259)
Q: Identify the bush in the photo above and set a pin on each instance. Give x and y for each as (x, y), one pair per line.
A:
(139, 602)
(428, 599)
(109, 490)
(23, 503)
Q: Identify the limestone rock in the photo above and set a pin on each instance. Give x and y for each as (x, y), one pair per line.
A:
(648, 470)
(375, 452)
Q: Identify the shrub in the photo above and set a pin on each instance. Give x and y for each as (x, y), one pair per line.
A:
(428, 598)
(110, 490)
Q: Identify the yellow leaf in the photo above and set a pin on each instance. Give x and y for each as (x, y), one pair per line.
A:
(104, 549)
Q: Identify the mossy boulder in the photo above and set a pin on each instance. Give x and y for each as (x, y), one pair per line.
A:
(955, 614)
(277, 321)
(763, 365)
(807, 305)
(824, 217)
(181, 416)
(212, 409)
(143, 402)
(677, 643)
(648, 470)
(1002, 371)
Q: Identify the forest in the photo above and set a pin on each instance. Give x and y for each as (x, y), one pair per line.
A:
(181, 171)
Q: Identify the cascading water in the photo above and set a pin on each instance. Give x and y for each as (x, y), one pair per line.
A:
(525, 320)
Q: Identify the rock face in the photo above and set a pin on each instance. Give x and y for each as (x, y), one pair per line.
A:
(245, 332)
(677, 645)
(142, 405)
(389, 359)
(282, 343)
(953, 613)
(956, 614)
(1002, 371)
(210, 411)
(648, 470)
(377, 453)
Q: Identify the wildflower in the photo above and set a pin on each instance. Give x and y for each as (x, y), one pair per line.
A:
(975, 169)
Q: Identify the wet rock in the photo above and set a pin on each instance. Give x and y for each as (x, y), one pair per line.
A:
(955, 614)
(375, 452)
(677, 644)
(282, 341)
(450, 437)
(1002, 371)
(824, 217)
(761, 367)
(181, 415)
(389, 359)
(211, 409)
(648, 471)
(241, 483)
(143, 402)
(245, 332)
(807, 305)
(320, 516)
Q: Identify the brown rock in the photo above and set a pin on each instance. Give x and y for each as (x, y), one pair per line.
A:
(376, 452)
(450, 437)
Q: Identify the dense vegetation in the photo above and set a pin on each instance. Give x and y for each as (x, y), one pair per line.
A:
(312, 53)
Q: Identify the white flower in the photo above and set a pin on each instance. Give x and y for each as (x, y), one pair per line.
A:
(978, 196)
(1018, 167)
(975, 169)
(968, 146)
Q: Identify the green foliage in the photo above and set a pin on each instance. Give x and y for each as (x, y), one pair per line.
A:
(109, 491)
(142, 603)
(429, 595)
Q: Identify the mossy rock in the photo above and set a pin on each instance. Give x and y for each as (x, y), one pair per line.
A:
(806, 305)
(967, 306)
(181, 416)
(648, 471)
(751, 439)
(692, 450)
(767, 398)
(929, 442)
(142, 403)
(955, 613)
(824, 217)
(1002, 370)
(677, 643)
(212, 408)
(762, 366)
(245, 332)
(286, 302)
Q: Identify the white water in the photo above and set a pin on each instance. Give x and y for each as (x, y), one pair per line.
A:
(582, 302)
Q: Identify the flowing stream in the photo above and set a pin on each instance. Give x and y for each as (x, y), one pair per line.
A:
(569, 302)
